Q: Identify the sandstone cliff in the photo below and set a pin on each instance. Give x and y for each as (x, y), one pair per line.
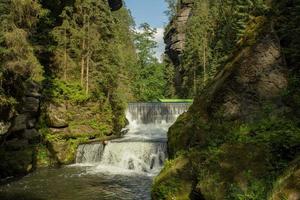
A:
(237, 133)
(175, 38)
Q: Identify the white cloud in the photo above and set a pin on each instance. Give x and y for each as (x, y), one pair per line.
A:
(159, 38)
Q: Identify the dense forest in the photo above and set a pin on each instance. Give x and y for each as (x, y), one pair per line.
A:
(68, 69)
(240, 138)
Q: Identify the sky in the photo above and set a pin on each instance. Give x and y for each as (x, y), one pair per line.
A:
(152, 12)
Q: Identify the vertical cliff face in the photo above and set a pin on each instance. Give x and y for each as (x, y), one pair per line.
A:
(175, 37)
(241, 133)
(17, 144)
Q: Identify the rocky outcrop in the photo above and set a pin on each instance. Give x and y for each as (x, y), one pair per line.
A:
(175, 32)
(255, 77)
(69, 124)
(56, 116)
(17, 145)
(244, 101)
(175, 35)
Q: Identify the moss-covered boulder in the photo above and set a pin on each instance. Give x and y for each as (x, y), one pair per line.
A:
(174, 182)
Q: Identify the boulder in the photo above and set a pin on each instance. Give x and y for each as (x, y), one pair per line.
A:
(56, 116)
(63, 152)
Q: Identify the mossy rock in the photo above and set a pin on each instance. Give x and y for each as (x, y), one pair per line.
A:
(232, 165)
(43, 157)
(174, 182)
(287, 187)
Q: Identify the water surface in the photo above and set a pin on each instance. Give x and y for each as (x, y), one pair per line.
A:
(121, 170)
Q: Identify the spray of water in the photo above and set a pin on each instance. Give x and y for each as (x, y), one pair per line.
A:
(143, 149)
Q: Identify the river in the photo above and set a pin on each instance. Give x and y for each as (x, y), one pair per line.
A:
(123, 169)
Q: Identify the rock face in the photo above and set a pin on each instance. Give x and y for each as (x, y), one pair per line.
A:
(56, 116)
(175, 32)
(241, 94)
(175, 36)
(16, 148)
(288, 186)
(256, 76)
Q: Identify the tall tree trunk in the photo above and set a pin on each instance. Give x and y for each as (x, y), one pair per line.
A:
(204, 61)
(88, 57)
(87, 75)
(65, 54)
(194, 81)
(83, 53)
(82, 63)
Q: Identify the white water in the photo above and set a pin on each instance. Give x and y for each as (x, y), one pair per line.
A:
(143, 149)
(121, 170)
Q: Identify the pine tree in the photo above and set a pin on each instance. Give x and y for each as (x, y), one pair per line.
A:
(149, 79)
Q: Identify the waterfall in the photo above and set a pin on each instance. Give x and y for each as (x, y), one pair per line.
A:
(89, 153)
(156, 113)
(143, 148)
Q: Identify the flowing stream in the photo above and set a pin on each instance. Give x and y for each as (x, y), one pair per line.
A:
(121, 169)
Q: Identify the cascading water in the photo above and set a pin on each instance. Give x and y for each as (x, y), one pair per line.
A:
(120, 170)
(143, 149)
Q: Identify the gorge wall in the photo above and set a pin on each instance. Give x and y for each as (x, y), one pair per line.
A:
(175, 35)
(240, 138)
(45, 113)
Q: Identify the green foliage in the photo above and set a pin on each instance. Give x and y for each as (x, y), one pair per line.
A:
(288, 29)
(149, 79)
(172, 8)
(215, 29)
(42, 156)
(17, 52)
(61, 91)
(256, 190)
(167, 190)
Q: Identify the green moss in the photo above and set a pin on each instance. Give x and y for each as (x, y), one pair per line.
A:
(253, 30)
(61, 91)
(42, 156)
(174, 182)
(231, 159)
(256, 190)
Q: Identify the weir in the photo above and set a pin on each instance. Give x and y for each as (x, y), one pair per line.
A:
(143, 148)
